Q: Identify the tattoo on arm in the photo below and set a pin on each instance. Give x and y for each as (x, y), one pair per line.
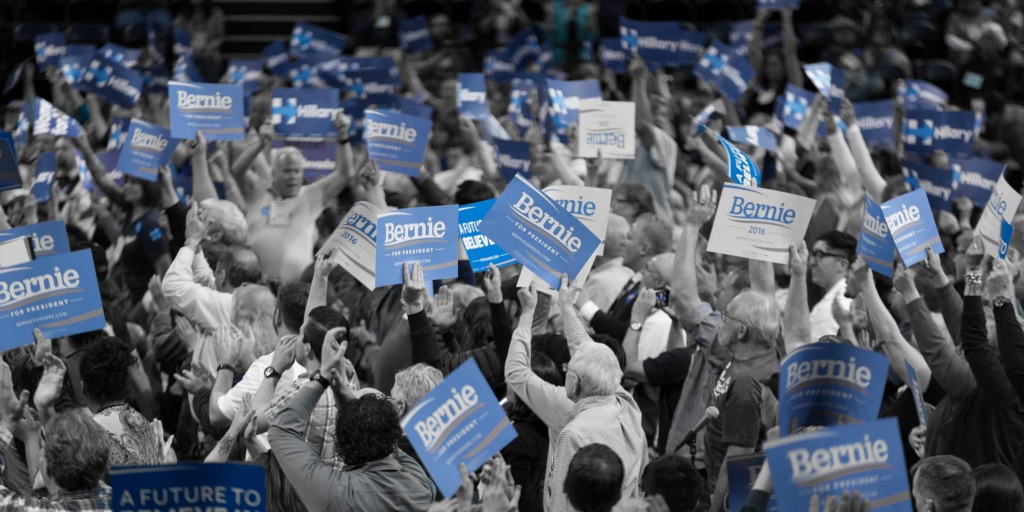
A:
(226, 444)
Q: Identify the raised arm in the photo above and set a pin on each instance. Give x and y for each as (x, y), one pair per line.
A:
(575, 334)
(903, 281)
(1008, 331)
(755, 51)
(332, 184)
(994, 385)
(796, 326)
(202, 183)
(322, 269)
(684, 267)
(501, 326)
(638, 91)
(794, 72)
(248, 181)
(843, 158)
(872, 180)
(99, 171)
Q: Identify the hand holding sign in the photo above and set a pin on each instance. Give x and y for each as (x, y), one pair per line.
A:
(528, 298)
(414, 289)
(702, 207)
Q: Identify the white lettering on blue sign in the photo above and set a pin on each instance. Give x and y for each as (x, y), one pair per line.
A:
(546, 223)
(19, 291)
(826, 461)
(447, 414)
(203, 101)
(148, 141)
(398, 233)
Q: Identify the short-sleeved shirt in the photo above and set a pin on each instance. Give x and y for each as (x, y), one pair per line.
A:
(145, 241)
(745, 405)
(282, 232)
(322, 420)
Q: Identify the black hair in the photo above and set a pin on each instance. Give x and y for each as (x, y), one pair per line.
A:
(473, 192)
(594, 480)
(329, 318)
(475, 327)
(947, 479)
(313, 333)
(291, 303)
(240, 266)
(676, 479)
(367, 429)
(281, 496)
(545, 368)
(842, 242)
(104, 369)
(997, 488)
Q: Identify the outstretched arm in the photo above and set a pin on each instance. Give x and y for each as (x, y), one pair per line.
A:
(796, 326)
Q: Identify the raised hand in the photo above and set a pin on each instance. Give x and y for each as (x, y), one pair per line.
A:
(196, 226)
(528, 298)
(156, 290)
(362, 335)
(702, 207)
(644, 305)
(798, 260)
(51, 382)
(443, 314)
(414, 288)
(903, 281)
(975, 253)
(932, 269)
(342, 123)
(227, 345)
(567, 292)
(284, 354)
(1000, 279)
(192, 381)
(42, 345)
(842, 315)
(492, 284)
(332, 355)
(847, 113)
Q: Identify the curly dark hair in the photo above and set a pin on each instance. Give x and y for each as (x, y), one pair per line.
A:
(367, 429)
(104, 369)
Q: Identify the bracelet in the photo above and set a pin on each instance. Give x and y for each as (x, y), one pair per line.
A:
(225, 367)
(973, 278)
(345, 140)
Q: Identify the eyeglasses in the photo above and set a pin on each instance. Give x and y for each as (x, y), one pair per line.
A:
(818, 254)
(727, 316)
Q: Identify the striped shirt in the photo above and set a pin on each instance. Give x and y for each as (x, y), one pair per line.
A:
(322, 420)
(94, 500)
(613, 421)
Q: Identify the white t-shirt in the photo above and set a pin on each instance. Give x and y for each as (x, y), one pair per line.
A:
(250, 383)
(282, 232)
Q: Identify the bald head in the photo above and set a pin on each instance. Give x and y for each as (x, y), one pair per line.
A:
(658, 272)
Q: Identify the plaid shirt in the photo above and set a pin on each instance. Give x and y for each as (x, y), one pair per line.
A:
(320, 433)
(94, 500)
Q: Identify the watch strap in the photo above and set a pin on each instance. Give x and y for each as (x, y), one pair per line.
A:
(225, 367)
(318, 377)
(271, 372)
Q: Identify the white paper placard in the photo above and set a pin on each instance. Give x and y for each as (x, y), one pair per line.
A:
(608, 126)
(759, 223)
(1002, 204)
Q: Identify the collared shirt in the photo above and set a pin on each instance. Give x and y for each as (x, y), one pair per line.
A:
(322, 420)
(394, 483)
(207, 307)
(606, 281)
(282, 231)
(822, 321)
(613, 421)
(710, 358)
(250, 384)
(94, 500)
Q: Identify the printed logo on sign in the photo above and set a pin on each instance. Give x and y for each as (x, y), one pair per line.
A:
(761, 213)
(387, 132)
(468, 96)
(875, 123)
(102, 76)
(534, 215)
(828, 371)
(413, 36)
(904, 219)
(148, 141)
(926, 133)
(876, 227)
(827, 463)
(445, 418)
(519, 164)
(795, 106)
(402, 235)
(18, 293)
(199, 103)
(288, 110)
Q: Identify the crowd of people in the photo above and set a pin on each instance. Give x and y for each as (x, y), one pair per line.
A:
(227, 339)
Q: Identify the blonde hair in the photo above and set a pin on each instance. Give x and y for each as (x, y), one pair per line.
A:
(252, 306)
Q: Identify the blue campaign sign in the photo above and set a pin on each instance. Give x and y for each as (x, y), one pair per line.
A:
(44, 176)
(829, 80)
(118, 132)
(723, 67)
(539, 233)
(742, 168)
(309, 38)
(318, 156)
(181, 42)
(58, 294)
(742, 32)
(915, 387)
(612, 55)
(356, 109)
(875, 245)
(10, 177)
(519, 111)
(826, 384)
(743, 471)
(189, 486)
(793, 106)
(924, 131)
(875, 120)
(1005, 235)
(523, 48)
(396, 141)
(148, 147)
(127, 57)
(48, 238)
(564, 102)
(912, 226)
(427, 235)
(472, 97)
(245, 72)
(662, 44)
(304, 112)
(867, 458)
(49, 48)
(937, 183)
(85, 50)
(112, 81)
(923, 94)
(778, 5)
(216, 109)
(73, 67)
(513, 159)
(754, 135)
(414, 36)
(275, 56)
(459, 421)
(51, 121)
(480, 249)
(415, 108)
(371, 84)
(185, 70)
(497, 66)
(155, 78)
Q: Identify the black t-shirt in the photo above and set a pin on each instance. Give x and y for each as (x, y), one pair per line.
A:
(145, 243)
(669, 371)
(745, 405)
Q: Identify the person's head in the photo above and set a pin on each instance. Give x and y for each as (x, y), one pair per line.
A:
(473, 192)
(751, 323)
(993, 40)
(412, 384)
(735, 282)
(237, 265)
(942, 483)
(615, 239)
(140, 192)
(648, 236)
(774, 67)
(225, 222)
(291, 306)
(252, 307)
(105, 366)
(76, 452)
(997, 488)
(287, 171)
(475, 327)
(440, 27)
(593, 371)
(631, 200)
(657, 273)
(367, 429)
(845, 31)
(593, 482)
(281, 496)
(676, 479)
(543, 367)
(829, 258)
(311, 343)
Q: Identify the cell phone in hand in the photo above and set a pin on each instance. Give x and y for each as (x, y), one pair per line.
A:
(662, 297)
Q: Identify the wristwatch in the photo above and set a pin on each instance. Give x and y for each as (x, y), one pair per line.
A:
(1000, 302)
(271, 372)
(318, 377)
(225, 367)
(636, 326)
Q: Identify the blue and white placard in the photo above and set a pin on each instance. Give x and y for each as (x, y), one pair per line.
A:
(480, 249)
(875, 245)
(472, 97)
(396, 141)
(149, 146)
(428, 236)
(310, 38)
(216, 109)
(304, 112)
(759, 223)
(48, 238)
(912, 226)
(189, 486)
(355, 243)
(608, 127)
(1001, 206)
(414, 36)
(975, 178)
(114, 82)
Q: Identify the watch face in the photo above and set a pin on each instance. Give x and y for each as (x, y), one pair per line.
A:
(269, 372)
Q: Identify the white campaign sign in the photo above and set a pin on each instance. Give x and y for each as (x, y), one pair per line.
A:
(589, 205)
(608, 126)
(355, 243)
(1002, 204)
(759, 223)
